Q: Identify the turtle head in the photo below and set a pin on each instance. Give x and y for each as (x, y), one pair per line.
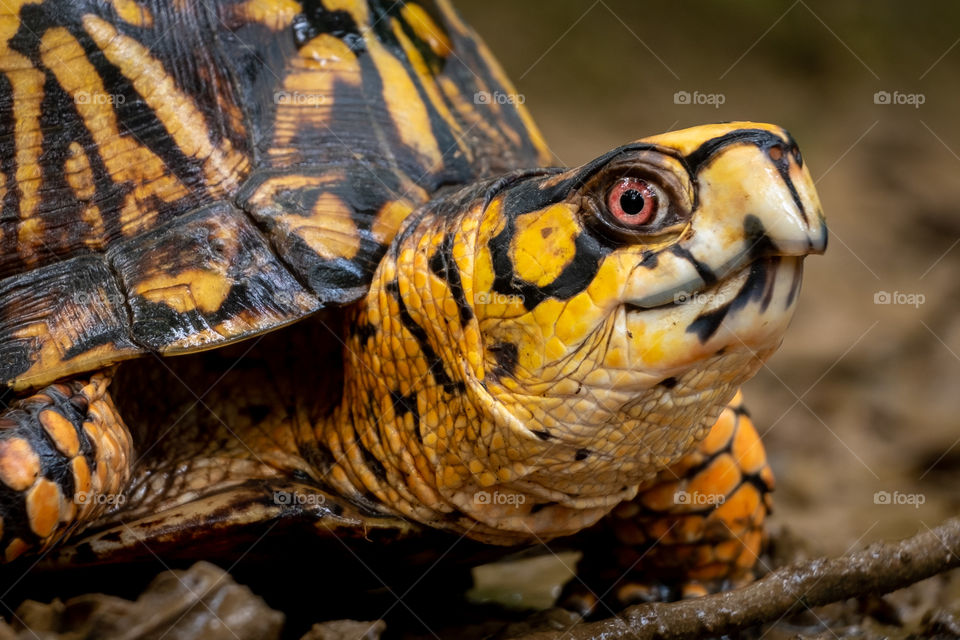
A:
(586, 326)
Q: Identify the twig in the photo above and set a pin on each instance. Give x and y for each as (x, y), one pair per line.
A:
(880, 568)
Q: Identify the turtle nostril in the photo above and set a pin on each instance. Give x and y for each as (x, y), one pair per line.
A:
(798, 158)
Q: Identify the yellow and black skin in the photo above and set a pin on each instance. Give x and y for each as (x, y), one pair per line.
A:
(481, 346)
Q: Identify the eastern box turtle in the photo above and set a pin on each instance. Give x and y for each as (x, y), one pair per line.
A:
(467, 338)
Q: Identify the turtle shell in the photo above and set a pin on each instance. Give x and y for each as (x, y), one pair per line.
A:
(176, 176)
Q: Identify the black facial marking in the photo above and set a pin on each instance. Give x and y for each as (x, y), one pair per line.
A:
(575, 277)
(706, 273)
(505, 353)
(444, 267)
(753, 289)
(759, 243)
(543, 435)
(762, 139)
(650, 259)
(794, 287)
(581, 454)
(668, 383)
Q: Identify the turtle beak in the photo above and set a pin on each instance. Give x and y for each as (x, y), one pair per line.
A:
(754, 199)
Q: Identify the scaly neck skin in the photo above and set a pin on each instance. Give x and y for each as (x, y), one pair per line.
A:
(417, 430)
(431, 429)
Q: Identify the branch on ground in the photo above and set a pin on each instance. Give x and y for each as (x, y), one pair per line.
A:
(880, 568)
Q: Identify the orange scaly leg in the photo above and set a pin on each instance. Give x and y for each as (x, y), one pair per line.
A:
(65, 459)
(698, 529)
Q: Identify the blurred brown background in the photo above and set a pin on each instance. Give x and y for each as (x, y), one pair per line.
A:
(863, 397)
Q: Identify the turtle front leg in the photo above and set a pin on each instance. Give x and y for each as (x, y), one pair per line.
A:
(65, 458)
(698, 529)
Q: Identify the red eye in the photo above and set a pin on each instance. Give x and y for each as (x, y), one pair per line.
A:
(633, 202)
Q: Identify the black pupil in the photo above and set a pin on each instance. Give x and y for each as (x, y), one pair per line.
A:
(631, 202)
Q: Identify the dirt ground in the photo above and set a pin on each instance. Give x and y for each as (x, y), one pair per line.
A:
(859, 409)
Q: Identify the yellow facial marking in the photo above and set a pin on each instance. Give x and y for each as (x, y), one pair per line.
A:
(133, 13)
(687, 141)
(544, 243)
(223, 167)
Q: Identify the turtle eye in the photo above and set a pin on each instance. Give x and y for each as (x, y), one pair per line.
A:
(633, 202)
